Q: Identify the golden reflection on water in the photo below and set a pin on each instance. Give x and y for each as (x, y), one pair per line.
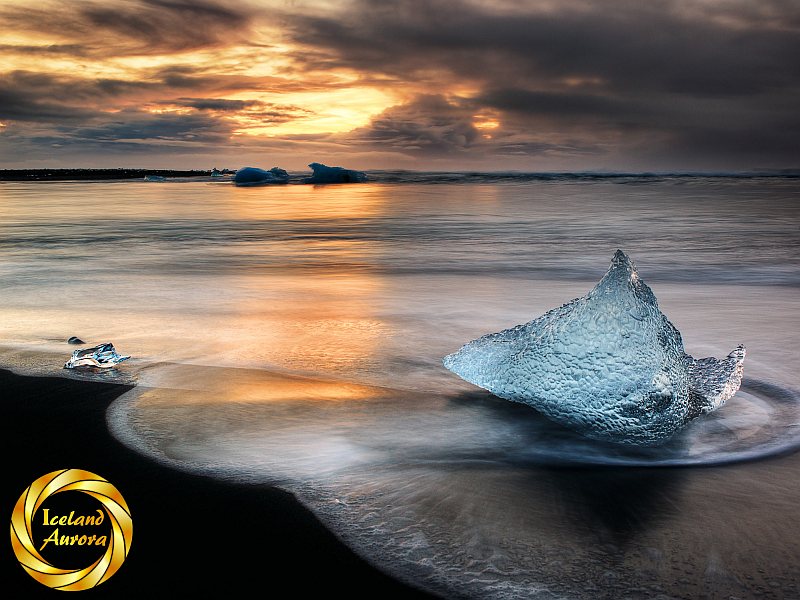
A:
(320, 319)
(296, 202)
(304, 300)
(313, 323)
(204, 385)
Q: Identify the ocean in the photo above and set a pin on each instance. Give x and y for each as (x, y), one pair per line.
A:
(293, 335)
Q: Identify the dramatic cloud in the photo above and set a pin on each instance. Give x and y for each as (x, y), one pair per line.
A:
(547, 84)
(429, 126)
(130, 27)
(681, 72)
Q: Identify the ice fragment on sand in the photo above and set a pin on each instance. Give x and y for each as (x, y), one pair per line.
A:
(608, 364)
(75, 340)
(253, 176)
(103, 356)
(325, 174)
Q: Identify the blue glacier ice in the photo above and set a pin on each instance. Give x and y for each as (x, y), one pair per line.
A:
(609, 365)
(103, 356)
(247, 176)
(326, 174)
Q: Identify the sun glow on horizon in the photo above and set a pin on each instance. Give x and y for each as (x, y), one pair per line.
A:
(250, 88)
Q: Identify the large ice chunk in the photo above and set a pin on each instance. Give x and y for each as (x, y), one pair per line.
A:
(248, 176)
(326, 174)
(103, 356)
(609, 364)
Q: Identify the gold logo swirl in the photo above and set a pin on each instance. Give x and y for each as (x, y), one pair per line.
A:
(115, 509)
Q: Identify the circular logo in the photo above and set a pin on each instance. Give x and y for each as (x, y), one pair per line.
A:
(70, 529)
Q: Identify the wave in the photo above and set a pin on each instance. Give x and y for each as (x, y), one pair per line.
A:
(449, 177)
(468, 495)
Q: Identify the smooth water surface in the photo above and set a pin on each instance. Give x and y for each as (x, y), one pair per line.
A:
(294, 335)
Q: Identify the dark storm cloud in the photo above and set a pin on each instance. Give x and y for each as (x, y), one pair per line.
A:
(65, 89)
(559, 103)
(684, 72)
(21, 99)
(216, 104)
(49, 49)
(266, 111)
(428, 125)
(135, 125)
(127, 133)
(136, 27)
(623, 44)
(47, 96)
(58, 111)
(432, 126)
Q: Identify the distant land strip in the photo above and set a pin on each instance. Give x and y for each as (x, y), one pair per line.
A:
(85, 174)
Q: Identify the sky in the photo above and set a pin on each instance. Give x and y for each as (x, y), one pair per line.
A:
(544, 85)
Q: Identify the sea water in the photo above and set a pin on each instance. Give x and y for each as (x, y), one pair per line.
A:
(294, 334)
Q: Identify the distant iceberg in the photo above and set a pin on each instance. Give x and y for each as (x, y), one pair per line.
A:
(253, 176)
(608, 364)
(103, 356)
(326, 174)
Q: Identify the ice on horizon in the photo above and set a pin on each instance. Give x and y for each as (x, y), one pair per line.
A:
(326, 174)
(249, 176)
(609, 365)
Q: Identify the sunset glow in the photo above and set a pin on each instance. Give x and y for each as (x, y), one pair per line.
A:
(539, 85)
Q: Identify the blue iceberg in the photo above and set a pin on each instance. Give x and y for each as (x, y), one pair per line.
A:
(247, 176)
(103, 356)
(326, 174)
(609, 365)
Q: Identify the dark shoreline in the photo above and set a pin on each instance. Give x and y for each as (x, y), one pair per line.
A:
(92, 174)
(191, 533)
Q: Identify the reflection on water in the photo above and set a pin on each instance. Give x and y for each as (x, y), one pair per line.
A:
(294, 335)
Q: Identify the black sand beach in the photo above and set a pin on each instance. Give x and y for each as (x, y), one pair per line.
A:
(191, 533)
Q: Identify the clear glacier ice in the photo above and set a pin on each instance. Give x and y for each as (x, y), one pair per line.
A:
(609, 365)
(326, 174)
(103, 356)
(248, 176)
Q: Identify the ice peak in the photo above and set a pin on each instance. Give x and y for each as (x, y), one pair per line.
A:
(623, 278)
(622, 264)
(620, 257)
(608, 364)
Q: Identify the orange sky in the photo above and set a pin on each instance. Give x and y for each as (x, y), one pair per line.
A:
(409, 84)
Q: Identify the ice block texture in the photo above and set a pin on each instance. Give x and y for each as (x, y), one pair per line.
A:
(103, 356)
(326, 174)
(608, 364)
(251, 176)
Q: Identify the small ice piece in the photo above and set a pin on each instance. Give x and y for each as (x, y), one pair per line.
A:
(608, 364)
(326, 174)
(75, 340)
(103, 356)
(156, 178)
(248, 176)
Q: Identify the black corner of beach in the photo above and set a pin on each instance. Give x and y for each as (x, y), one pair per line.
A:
(192, 535)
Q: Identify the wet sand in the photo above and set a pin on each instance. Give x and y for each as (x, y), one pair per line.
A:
(53, 423)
